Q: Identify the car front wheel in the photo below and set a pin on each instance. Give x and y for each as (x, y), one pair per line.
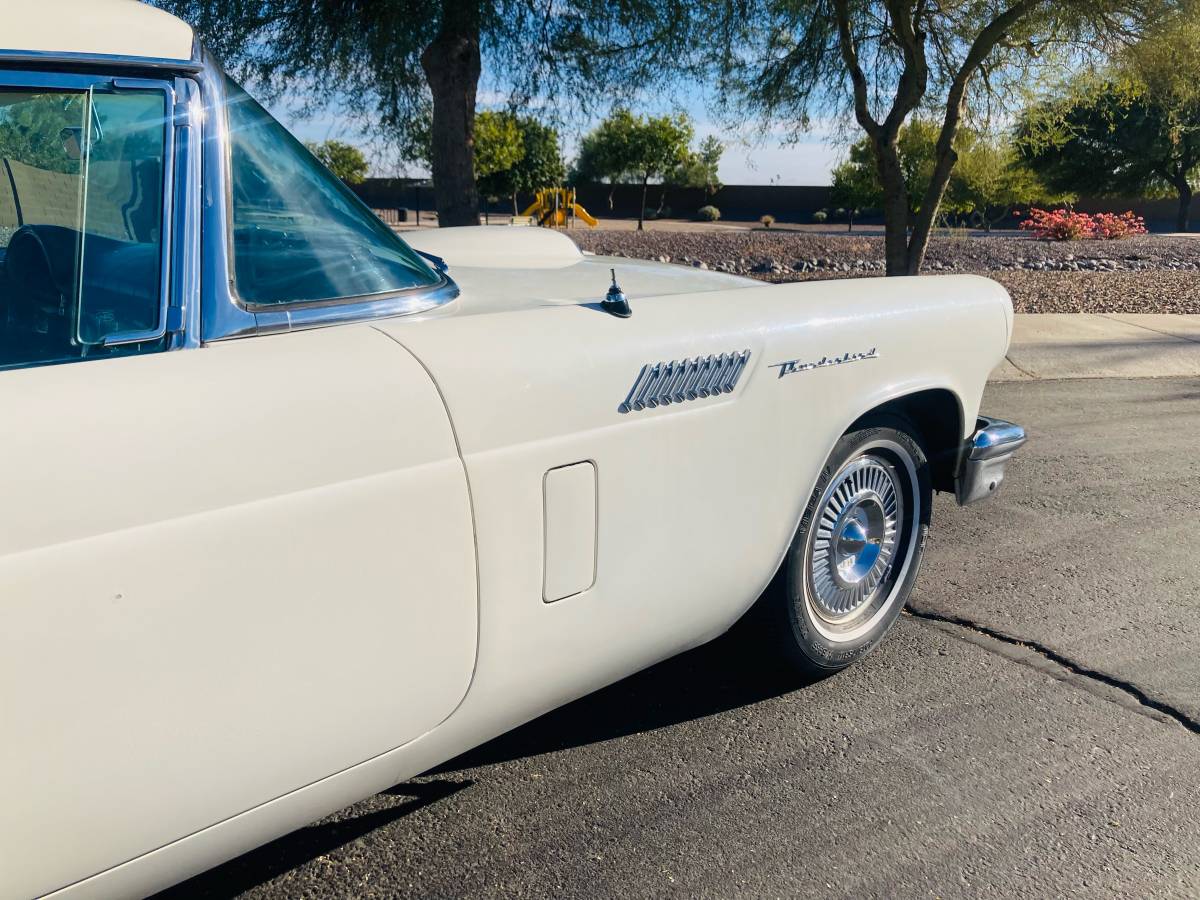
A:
(854, 558)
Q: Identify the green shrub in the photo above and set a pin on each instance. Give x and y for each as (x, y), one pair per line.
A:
(767, 220)
(820, 216)
(708, 214)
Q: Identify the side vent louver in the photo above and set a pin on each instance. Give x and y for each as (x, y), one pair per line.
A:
(664, 383)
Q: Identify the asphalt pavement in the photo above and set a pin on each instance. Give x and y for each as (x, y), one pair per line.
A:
(1031, 727)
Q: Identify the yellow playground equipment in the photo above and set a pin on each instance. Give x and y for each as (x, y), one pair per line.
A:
(556, 208)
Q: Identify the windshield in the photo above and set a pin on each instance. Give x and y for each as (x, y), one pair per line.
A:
(299, 234)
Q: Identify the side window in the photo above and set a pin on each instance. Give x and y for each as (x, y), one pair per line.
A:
(299, 234)
(81, 213)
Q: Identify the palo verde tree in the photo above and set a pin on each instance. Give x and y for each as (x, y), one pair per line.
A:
(988, 179)
(992, 180)
(1133, 130)
(880, 62)
(392, 64)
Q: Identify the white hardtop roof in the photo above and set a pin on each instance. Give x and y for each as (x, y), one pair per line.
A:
(127, 28)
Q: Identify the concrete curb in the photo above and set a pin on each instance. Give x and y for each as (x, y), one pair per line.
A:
(1083, 345)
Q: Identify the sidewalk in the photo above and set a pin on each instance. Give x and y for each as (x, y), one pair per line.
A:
(1079, 345)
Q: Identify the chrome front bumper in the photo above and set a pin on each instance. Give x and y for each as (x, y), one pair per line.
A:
(985, 454)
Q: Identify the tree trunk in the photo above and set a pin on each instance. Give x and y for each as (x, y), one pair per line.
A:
(452, 65)
(1185, 204)
(642, 206)
(895, 204)
(516, 212)
(849, 220)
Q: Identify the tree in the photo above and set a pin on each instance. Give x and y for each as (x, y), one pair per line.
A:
(638, 147)
(391, 63)
(498, 145)
(699, 169)
(498, 148)
(987, 181)
(542, 164)
(516, 153)
(855, 184)
(345, 161)
(30, 129)
(604, 152)
(880, 61)
(1134, 130)
(991, 179)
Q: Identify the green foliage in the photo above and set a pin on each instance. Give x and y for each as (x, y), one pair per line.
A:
(988, 179)
(1099, 139)
(1131, 130)
(708, 214)
(991, 179)
(30, 130)
(699, 168)
(542, 164)
(498, 145)
(366, 57)
(518, 153)
(820, 216)
(882, 63)
(767, 220)
(604, 152)
(637, 148)
(345, 161)
(628, 147)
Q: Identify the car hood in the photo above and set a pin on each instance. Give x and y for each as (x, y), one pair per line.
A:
(503, 268)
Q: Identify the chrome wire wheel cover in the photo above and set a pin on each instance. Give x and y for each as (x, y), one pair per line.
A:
(858, 544)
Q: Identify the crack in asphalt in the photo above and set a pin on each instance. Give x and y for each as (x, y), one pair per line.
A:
(1142, 701)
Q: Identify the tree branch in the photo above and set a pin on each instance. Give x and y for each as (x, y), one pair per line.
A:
(862, 107)
(946, 157)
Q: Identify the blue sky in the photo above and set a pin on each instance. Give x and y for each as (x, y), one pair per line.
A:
(750, 158)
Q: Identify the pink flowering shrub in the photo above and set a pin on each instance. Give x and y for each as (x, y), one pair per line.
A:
(1111, 227)
(1067, 225)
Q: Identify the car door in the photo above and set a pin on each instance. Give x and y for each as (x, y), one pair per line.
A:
(225, 572)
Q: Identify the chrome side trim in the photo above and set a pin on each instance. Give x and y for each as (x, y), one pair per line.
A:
(985, 456)
(183, 315)
(678, 381)
(168, 209)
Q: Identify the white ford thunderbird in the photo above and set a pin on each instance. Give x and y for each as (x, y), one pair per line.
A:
(313, 509)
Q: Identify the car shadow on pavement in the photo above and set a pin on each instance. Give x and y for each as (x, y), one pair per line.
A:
(724, 674)
(309, 843)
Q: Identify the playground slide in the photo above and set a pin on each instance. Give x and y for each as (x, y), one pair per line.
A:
(581, 213)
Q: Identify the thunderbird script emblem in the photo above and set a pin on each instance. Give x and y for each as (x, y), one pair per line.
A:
(792, 366)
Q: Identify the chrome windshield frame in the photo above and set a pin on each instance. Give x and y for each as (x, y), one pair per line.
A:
(60, 60)
(224, 314)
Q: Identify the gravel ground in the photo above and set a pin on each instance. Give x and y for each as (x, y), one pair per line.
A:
(1143, 274)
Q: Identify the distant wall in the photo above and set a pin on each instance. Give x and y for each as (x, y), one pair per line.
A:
(737, 202)
(745, 202)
